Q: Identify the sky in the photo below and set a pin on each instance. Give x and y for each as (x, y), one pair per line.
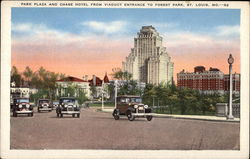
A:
(92, 41)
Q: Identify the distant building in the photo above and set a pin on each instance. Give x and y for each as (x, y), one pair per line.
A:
(149, 61)
(100, 86)
(16, 92)
(81, 85)
(236, 82)
(210, 81)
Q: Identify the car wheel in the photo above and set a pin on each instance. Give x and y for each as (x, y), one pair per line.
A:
(14, 114)
(38, 110)
(130, 116)
(149, 118)
(78, 115)
(116, 115)
(31, 114)
(73, 115)
(57, 114)
(61, 115)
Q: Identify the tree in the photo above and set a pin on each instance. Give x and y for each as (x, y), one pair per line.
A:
(28, 73)
(16, 76)
(149, 94)
(129, 87)
(120, 75)
(93, 91)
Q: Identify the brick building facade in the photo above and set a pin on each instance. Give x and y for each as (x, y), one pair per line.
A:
(208, 81)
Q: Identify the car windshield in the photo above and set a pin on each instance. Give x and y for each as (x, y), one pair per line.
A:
(23, 100)
(67, 100)
(136, 100)
(55, 102)
(131, 100)
(43, 101)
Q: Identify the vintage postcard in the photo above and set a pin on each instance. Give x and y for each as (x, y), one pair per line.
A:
(124, 79)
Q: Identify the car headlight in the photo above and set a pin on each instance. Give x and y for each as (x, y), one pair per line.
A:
(135, 106)
(145, 106)
(66, 105)
(20, 106)
(27, 105)
(74, 106)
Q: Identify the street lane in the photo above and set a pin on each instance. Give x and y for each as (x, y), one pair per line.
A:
(98, 130)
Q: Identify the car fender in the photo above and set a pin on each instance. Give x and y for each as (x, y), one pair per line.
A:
(148, 110)
(130, 109)
(117, 111)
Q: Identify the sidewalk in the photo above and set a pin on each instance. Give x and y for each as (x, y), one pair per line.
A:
(191, 117)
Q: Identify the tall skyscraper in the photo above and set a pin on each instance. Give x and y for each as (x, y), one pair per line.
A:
(149, 61)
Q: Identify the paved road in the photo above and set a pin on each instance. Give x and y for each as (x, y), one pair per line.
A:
(98, 130)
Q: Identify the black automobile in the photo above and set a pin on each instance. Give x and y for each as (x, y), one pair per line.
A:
(22, 106)
(44, 105)
(68, 106)
(132, 107)
(55, 104)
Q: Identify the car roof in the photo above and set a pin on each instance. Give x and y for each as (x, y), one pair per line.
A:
(43, 99)
(129, 96)
(21, 98)
(67, 98)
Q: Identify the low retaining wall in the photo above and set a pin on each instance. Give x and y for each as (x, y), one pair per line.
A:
(222, 109)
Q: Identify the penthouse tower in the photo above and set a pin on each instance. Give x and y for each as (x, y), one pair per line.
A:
(149, 61)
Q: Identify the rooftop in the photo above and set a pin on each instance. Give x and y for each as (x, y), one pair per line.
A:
(71, 79)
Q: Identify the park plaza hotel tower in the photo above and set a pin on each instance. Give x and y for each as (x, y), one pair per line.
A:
(149, 61)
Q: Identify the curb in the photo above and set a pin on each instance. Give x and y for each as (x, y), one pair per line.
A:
(179, 117)
(204, 119)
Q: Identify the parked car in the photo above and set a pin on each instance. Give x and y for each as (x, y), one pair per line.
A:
(22, 106)
(132, 107)
(44, 105)
(55, 104)
(68, 106)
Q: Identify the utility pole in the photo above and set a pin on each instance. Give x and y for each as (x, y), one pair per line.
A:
(230, 115)
(115, 92)
(102, 94)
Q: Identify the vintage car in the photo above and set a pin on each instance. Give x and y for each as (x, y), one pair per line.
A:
(44, 105)
(55, 104)
(132, 107)
(68, 106)
(22, 106)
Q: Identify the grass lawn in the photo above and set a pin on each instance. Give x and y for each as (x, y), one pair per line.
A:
(100, 105)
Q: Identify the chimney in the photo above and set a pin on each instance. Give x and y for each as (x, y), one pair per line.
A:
(86, 77)
(94, 80)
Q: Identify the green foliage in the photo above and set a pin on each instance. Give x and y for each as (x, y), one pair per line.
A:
(82, 97)
(28, 73)
(120, 75)
(44, 81)
(180, 100)
(42, 93)
(93, 91)
(16, 76)
(129, 87)
(75, 91)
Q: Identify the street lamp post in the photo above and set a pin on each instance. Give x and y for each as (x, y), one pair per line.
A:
(230, 62)
(115, 92)
(102, 94)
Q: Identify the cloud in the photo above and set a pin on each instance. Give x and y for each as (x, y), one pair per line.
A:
(226, 30)
(165, 25)
(106, 27)
(97, 53)
(29, 27)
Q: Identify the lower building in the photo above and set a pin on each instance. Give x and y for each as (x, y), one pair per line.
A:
(99, 87)
(76, 83)
(208, 81)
